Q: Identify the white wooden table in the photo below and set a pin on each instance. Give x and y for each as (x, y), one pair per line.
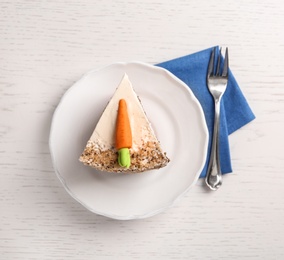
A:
(46, 46)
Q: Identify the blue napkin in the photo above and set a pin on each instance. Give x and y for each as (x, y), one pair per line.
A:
(235, 111)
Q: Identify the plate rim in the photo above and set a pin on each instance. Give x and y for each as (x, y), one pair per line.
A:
(170, 203)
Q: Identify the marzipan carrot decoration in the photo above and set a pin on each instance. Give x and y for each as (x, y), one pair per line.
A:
(123, 137)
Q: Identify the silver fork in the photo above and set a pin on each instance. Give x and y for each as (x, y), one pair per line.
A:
(217, 84)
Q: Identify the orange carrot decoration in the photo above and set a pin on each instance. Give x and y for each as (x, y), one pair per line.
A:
(123, 137)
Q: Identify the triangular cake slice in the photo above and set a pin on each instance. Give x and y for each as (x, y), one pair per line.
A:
(145, 153)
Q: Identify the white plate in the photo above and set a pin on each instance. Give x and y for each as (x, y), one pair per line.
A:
(176, 117)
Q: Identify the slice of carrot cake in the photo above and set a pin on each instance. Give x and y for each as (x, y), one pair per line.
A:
(123, 139)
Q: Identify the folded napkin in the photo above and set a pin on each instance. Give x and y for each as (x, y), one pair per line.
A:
(235, 111)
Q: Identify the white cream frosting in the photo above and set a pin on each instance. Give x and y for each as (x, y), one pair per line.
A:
(104, 133)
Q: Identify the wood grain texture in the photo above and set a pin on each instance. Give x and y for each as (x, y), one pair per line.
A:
(46, 46)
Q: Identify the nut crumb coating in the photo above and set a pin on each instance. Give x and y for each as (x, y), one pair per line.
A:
(148, 157)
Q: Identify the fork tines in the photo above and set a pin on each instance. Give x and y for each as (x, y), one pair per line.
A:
(211, 71)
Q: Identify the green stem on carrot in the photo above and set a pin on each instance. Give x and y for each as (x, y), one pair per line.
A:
(124, 157)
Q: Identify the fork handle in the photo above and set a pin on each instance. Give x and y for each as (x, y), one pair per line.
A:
(214, 176)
